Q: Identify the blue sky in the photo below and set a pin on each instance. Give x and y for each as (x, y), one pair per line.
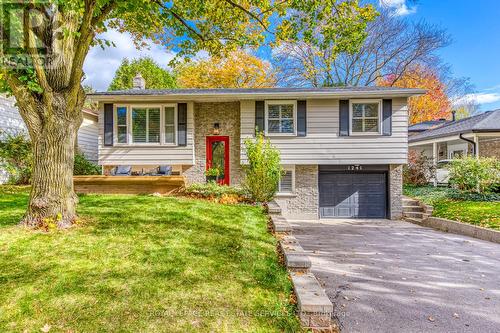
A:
(475, 50)
(474, 53)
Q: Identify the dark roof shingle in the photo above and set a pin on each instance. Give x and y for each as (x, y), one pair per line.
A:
(483, 122)
(426, 125)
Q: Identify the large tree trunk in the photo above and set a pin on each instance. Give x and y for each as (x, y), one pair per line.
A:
(52, 196)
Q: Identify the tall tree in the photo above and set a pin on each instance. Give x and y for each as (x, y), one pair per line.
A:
(393, 44)
(238, 69)
(155, 76)
(433, 105)
(43, 68)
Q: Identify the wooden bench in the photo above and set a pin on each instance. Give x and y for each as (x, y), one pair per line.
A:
(129, 184)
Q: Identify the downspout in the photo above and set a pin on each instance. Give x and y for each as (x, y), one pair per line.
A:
(470, 141)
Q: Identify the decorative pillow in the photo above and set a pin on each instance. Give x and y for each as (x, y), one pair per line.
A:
(123, 169)
(165, 170)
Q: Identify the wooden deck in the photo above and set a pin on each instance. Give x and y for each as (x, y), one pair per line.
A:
(129, 184)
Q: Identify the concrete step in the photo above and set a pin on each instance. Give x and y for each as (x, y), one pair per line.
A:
(418, 215)
(413, 220)
(412, 209)
(410, 202)
(280, 224)
(273, 208)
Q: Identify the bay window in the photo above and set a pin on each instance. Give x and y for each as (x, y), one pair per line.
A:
(145, 125)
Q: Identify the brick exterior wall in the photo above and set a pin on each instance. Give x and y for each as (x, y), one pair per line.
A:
(489, 147)
(305, 201)
(304, 204)
(396, 191)
(227, 114)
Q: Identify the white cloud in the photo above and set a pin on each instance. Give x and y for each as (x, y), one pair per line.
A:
(399, 7)
(487, 96)
(100, 65)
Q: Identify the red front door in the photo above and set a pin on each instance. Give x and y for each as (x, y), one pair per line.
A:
(218, 156)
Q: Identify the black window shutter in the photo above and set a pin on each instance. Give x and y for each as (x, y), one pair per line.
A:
(182, 124)
(344, 117)
(387, 117)
(301, 118)
(259, 116)
(108, 124)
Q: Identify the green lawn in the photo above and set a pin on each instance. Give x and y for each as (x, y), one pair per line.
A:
(143, 264)
(482, 213)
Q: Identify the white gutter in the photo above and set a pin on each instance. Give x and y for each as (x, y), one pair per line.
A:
(439, 139)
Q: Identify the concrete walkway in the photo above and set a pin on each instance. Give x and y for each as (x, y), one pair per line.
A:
(393, 276)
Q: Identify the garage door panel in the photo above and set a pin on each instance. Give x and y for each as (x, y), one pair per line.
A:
(352, 195)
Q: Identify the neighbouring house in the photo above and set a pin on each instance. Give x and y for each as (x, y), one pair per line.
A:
(343, 149)
(478, 135)
(12, 123)
(424, 126)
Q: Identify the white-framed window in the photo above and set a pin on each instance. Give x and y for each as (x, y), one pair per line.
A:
(121, 122)
(170, 124)
(281, 117)
(457, 153)
(365, 117)
(286, 184)
(145, 124)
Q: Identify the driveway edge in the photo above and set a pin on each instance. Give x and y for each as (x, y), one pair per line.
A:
(419, 213)
(462, 229)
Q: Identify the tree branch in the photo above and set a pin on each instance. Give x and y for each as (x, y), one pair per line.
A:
(26, 101)
(105, 11)
(249, 13)
(35, 57)
(181, 20)
(83, 44)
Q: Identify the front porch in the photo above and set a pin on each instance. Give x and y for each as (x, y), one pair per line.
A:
(129, 184)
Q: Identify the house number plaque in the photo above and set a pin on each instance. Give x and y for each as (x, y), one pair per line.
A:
(354, 167)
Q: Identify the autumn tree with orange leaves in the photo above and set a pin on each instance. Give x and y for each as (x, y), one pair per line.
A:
(238, 70)
(435, 104)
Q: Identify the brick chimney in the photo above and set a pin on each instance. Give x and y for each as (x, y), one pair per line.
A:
(139, 82)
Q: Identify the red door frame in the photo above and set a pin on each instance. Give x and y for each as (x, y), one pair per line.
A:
(224, 139)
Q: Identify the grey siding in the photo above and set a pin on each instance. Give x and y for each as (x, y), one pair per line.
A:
(147, 155)
(12, 123)
(10, 119)
(323, 145)
(87, 138)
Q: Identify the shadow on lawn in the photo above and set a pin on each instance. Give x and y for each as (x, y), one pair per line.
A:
(139, 254)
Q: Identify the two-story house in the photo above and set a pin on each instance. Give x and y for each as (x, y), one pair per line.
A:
(342, 148)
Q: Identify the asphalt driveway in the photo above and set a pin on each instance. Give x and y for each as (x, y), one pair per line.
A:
(393, 276)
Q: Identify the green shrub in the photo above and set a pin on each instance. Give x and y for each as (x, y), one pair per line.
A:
(85, 167)
(263, 171)
(471, 174)
(431, 195)
(216, 192)
(16, 157)
(419, 170)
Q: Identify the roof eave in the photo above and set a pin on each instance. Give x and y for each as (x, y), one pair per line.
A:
(262, 95)
(413, 140)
